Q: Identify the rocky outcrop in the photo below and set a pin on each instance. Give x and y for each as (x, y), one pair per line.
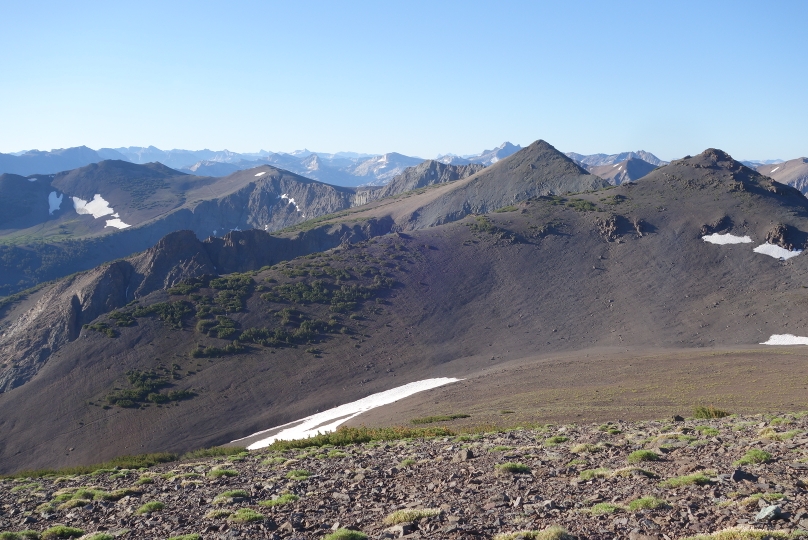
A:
(428, 173)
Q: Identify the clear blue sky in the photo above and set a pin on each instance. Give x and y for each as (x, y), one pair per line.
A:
(420, 78)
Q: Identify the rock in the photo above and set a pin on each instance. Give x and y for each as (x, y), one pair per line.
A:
(637, 535)
(463, 455)
(677, 418)
(740, 475)
(769, 513)
(342, 497)
(401, 529)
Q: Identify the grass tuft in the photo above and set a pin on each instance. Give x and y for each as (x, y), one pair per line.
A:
(646, 503)
(245, 515)
(286, 498)
(754, 456)
(708, 412)
(346, 534)
(550, 533)
(512, 468)
(642, 455)
(62, 531)
(438, 418)
(697, 479)
(403, 516)
(150, 507)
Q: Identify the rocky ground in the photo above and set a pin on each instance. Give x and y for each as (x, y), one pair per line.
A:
(643, 480)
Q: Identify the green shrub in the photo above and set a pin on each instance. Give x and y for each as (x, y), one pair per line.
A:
(216, 514)
(215, 451)
(743, 533)
(642, 455)
(227, 496)
(646, 503)
(550, 533)
(555, 440)
(298, 474)
(61, 531)
(346, 534)
(604, 508)
(591, 474)
(218, 473)
(22, 535)
(245, 515)
(754, 456)
(192, 536)
(698, 479)
(286, 498)
(707, 431)
(150, 507)
(403, 516)
(708, 412)
(345, 435)
(512, 468)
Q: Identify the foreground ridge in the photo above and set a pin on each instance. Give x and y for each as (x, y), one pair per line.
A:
(745, 476)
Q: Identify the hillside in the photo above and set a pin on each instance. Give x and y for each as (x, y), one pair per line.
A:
(597, 160)
(793, 173)
(59, 224)
(643, 481)
(544, 276)
(629, 170)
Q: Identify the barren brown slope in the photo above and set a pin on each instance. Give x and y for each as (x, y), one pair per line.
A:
(548, 277)
(793, 173)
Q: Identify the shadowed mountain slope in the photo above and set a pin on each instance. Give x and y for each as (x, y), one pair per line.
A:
(623, 267)
(629, 170)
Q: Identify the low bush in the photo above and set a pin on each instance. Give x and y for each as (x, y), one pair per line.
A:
(642, 455)
(708, 412)
(753, 457)
(410, 514)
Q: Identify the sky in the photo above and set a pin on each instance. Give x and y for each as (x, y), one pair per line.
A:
(419, 78)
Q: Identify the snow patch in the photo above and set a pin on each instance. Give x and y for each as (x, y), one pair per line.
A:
(771, 171)
(786, 339)
(34, 179)
(262, 173)
(117, 223)
(724, 239)
(291, 201)
(54, 202)
(98, 207)
(776, 251)
(331, 419)
(494, 160)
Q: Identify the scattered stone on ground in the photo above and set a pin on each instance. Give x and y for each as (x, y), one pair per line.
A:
(645, 480)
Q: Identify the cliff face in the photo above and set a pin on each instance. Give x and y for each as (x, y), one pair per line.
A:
(426, 174)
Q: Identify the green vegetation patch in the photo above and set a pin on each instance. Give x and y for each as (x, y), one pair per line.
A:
(172, 313)
(580, 205)
(646, 503)
(708, 412)
(219, 473)
(604, 508)
(555, 440)
(345, 435)
(150, 507)
(591, 474)
(286, 498)
(21, 535)
(145, 388)
(245, 515)
(754, 456)
(192, 536)
(298, 474)
(102, 328)
(228, 496)
(697, 479)
(512, 468)
(744, 533)
(438, 418)
(123, 462)
(551, 533)
(410, 514)
(346, 534)
(642, 455)
(61, 531)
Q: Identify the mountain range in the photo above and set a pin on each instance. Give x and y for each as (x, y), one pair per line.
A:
(198, 342)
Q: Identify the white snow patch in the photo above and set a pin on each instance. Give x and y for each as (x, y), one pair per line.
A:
(723, 239)
(117, 223)
(771, 171)
(331, 419)
(262, 173)
(34, 179)
(494, 160)
(786, 339)
(54, 202)
(620, 168)
(98, 207)
(291, 201)
(615, 165)
(776, 251)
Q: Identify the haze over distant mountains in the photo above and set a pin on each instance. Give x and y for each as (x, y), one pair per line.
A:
(341, 168)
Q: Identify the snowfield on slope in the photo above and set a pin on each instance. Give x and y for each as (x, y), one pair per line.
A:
(786, 339)
(331, 419)
(724, 239)
(776, 251)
